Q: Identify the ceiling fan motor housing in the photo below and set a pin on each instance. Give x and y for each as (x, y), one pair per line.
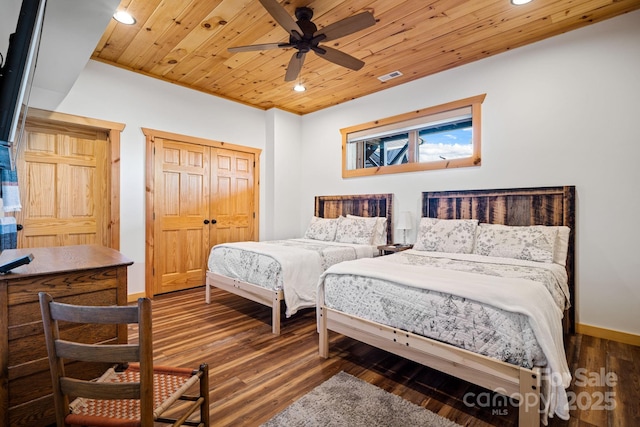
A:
(305, 42)
(304, 13)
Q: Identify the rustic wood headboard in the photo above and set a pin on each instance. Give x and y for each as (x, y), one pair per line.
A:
(369, 205)
(513, 206)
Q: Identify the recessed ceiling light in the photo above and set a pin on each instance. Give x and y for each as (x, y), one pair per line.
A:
(124, 17)
(299, 87)
(520, 2)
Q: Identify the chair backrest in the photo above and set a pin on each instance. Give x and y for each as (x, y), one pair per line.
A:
(53, 313)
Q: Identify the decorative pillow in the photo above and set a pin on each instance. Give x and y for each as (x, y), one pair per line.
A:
(446, 235)
(532, 243)
(380, 224)
(356, 230)
(380, 236)
(561, 247)
(322, 229)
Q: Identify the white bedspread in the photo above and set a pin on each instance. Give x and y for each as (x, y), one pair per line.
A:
(300, 268)
(527, 297)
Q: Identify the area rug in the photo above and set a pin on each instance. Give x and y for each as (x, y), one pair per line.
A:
(346, 401)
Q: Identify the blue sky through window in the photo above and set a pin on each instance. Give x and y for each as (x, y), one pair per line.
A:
(447, 144)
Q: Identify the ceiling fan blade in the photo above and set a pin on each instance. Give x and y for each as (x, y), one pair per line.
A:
(281, 16)
(294, 67)
(339, 58)
(253, 47)
(346, 26)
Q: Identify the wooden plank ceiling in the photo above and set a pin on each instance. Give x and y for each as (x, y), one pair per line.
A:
(186, 41)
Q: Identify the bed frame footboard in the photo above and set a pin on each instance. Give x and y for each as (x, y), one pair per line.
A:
(501, 377)
(268, 297)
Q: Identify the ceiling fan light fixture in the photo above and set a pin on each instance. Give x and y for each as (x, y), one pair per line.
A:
(299, 87)
(520, 2)
(124, 17)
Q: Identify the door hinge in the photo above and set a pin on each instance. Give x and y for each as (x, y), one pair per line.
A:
(254, 215)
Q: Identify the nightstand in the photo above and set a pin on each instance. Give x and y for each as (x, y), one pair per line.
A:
(390, 249)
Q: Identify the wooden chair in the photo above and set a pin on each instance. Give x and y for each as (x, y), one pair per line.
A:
(129, 393)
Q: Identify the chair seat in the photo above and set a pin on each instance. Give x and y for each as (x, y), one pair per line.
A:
(169, 383)
(141, 395)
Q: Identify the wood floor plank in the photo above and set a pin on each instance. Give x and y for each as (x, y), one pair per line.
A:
(624, 389)
(254, 374)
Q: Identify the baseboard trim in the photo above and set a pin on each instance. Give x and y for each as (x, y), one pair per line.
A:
(609, 334)
(134, 297)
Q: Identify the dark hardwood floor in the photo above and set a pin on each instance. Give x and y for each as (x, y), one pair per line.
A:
(254, 375)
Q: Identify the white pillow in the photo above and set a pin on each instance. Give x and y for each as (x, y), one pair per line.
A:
(380, 224)
(322, 229)
(358, 230)
(532, 243)
(446, 235)
(380, 237)
(561, 247)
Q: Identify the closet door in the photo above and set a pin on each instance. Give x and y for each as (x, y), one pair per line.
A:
(203, 195)
(64, 187)
(232, 196)
(181, 211)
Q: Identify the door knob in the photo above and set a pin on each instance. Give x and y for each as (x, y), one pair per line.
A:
(213, 221)
(206, 221)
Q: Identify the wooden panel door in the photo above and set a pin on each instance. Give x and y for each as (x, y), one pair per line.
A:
(199, 193)
(181, 215)
(232, 201)
(64, 187)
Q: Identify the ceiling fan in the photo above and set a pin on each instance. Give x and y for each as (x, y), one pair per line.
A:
(305, 36)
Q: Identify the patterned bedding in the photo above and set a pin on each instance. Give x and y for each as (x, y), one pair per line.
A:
(456, 320)
(292, 265)
(508, 309)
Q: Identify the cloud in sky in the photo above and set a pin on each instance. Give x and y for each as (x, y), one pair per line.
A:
(448, 145)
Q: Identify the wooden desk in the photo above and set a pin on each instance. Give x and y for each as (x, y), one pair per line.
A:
(83, 274)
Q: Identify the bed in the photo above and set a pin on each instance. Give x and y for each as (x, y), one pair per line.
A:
(271, 272)
(435, 284)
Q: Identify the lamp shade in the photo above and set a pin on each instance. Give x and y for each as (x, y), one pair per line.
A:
(404, 221)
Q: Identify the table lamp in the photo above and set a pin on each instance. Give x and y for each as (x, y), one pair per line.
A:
(404, 224)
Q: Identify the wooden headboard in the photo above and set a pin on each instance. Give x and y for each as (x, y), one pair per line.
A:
(368, 205)
(513, 206)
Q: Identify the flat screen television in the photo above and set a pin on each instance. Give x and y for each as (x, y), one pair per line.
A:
(16, 75)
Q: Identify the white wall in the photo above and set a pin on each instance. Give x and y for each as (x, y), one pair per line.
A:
(8, 19)
(113, 94)
(70, 32)
(284, 135)
(559, 112)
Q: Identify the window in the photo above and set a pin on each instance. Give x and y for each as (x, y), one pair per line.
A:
(440, 137)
